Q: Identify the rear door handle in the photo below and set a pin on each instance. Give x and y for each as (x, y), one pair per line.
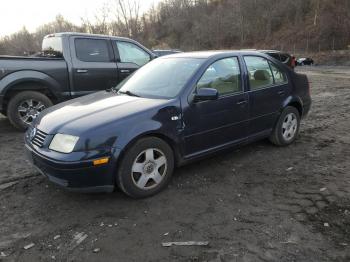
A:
(242, 102)
(81, 71)
(125, 71)
(281, 92)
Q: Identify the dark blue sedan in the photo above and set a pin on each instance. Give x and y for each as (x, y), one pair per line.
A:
(173, 110)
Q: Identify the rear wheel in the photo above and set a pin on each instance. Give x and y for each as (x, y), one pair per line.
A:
(146, 168)
(25, 106)
(287, 127)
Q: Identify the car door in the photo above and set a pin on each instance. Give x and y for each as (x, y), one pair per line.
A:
(130, 57)
(93, 65)
(268, 88)
(215, 123)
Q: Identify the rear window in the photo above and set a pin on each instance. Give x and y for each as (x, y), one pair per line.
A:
(92, 50)
(52, 47)
(274, 55)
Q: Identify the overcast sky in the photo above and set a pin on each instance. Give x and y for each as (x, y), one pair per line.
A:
(14, 14)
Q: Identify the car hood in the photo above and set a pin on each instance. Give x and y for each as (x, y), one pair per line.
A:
(85, 113)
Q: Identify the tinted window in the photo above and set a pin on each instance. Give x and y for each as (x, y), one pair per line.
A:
(92, 50)
(223, 75)
(52, 47)
(275, 55)
(161, 78)
(259, 71)
(278, 75)
(284, 58)
(131, 53)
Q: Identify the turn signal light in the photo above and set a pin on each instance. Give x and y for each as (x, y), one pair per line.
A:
(101, 161)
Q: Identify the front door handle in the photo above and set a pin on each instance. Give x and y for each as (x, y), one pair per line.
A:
(242, 102)
(125, 71)
(82, 71)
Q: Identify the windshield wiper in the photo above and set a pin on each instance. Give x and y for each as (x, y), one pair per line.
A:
(129, 93)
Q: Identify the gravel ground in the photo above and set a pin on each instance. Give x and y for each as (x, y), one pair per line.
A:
(257, 203)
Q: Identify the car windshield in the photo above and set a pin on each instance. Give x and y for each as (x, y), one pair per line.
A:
(161, 78)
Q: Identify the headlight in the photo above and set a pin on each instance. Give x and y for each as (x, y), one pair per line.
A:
(63, 143)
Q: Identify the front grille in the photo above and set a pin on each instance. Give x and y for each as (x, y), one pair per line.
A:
(39, 138)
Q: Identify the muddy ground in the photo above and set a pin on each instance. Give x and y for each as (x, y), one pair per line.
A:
(258, 203)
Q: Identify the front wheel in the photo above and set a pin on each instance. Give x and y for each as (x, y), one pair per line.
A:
(287, 127)
(146, 168)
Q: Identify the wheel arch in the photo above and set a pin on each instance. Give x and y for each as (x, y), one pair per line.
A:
(28, 81)
(167, 139)
(294, 102)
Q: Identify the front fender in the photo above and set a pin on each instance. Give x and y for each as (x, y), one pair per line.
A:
(146, 128)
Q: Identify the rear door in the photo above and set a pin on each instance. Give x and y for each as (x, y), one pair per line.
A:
(129, 57)
(211, 124)
(94, 67)
(268, 88)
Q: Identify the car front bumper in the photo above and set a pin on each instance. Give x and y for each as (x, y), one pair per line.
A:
(78, 176)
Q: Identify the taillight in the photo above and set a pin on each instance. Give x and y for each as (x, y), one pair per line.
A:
(293, 62)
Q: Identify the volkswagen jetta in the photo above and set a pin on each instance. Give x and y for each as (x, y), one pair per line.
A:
(174, 110)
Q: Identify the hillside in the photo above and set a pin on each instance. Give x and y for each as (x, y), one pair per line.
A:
(298, 26)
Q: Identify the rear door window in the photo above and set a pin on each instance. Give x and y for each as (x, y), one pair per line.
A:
(92, 50)
(260, 75)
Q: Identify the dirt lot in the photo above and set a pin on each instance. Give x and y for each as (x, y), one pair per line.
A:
(258, 203)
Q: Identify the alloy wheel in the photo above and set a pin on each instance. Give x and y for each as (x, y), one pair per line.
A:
(149, 168)
(289, 126)
(29, 109)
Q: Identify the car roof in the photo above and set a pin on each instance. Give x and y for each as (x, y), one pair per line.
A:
(62, 34)
(211, 54)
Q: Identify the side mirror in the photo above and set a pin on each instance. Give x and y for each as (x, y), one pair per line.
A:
(205, 94)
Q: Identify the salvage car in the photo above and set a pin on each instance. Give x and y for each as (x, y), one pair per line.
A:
(174, 110)
(305, 61)
(70, 65)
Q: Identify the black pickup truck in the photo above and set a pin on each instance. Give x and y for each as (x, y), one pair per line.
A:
(69, 65)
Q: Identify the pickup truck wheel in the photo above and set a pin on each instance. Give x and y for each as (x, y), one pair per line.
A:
(146, 168)
(287, 127)
(25, 106)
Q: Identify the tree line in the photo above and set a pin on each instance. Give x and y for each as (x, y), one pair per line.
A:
(290, 25)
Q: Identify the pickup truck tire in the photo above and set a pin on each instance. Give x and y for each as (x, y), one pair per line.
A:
(287, 127)
(25, 106)
(146, 168)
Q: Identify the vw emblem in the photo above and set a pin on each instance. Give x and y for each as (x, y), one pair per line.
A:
(32, 134)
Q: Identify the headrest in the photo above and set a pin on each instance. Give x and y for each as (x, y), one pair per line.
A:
(261, 75)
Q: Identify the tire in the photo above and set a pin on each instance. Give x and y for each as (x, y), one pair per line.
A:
(21, 101)
(137, 173)
(286, 129)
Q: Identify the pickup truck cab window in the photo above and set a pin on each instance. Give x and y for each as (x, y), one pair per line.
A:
(223, 75)
(92, 50)
(131, 53)
(52, 47)
(260, 75)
